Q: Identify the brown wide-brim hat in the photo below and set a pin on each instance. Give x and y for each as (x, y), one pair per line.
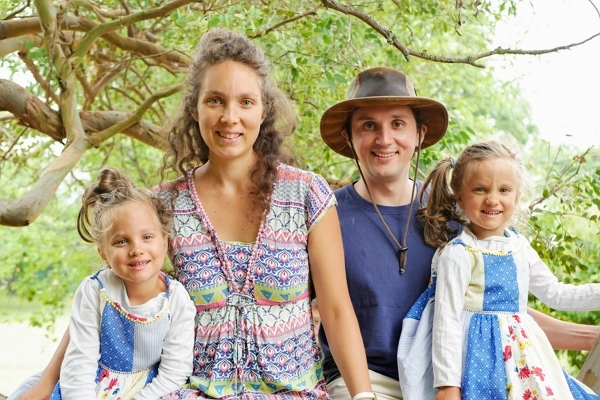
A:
(381, 86)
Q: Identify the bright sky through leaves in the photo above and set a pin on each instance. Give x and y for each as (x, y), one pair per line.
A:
(563, 88)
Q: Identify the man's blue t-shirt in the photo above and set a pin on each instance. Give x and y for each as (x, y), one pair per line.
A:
(380, 295)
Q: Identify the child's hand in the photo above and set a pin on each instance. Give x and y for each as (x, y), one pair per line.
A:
(448, 393)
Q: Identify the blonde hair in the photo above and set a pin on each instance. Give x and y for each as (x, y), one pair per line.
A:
(102, 202)
(442, 208)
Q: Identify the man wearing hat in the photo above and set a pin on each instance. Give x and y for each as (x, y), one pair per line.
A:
(382, 125)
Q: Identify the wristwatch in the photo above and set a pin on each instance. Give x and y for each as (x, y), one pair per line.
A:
(365, 396)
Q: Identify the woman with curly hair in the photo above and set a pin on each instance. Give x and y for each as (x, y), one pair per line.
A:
(254, 239)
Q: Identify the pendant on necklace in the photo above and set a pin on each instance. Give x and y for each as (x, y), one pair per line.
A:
(402, 258)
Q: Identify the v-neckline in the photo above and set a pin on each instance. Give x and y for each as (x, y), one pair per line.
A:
(224, 262)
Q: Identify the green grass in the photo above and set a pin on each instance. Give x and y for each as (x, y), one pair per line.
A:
(17, 309)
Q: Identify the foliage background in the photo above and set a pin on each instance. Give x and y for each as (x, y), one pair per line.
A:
(315, 52)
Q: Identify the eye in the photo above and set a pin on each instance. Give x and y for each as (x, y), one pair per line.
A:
(479, 190)
(398, 124)
(247, 103)
(369, 126)
(148, 237)
(120, 242)
(505, 190)
(213, 101)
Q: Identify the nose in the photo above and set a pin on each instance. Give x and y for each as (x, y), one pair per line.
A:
(136, 250)
(230, 114)
(492, 199)
(384, 136)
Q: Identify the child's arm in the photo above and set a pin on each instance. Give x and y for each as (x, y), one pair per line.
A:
(453, 276)
(448, 393)
(178, 347)
(566, 335)
(79, 366)
(546, 287)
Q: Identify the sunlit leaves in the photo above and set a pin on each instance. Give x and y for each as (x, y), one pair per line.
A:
(315, 52)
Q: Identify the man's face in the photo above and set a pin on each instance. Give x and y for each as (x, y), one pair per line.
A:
(385, 138)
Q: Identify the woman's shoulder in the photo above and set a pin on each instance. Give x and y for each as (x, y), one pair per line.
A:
(295, 181)
(181, 183)
(175, 193)
(290, 173)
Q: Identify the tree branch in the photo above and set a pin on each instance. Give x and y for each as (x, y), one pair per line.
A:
(137, 115)
(284, 22)
(407, 52)
(108, 27)
(14, 13)
(101, 84)
(386, 33)
(44, 84)
(34, 113)
(28, 26)
(97, 10)
(87, 90)
(26, 209)
(564, 180)
(16, 44)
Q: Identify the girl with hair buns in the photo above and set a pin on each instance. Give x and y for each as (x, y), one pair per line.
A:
(131, 326)
(484, 343)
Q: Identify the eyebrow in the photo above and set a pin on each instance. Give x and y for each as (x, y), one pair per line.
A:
(219, 93)
(368, 117)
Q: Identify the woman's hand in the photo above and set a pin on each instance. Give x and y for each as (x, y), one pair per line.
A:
(42, 389)
(448, 393)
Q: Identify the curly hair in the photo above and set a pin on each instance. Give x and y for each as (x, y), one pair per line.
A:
(103, 201)
(186, 146)
(442, 207)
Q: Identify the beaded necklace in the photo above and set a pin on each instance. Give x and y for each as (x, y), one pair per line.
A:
(225, 263)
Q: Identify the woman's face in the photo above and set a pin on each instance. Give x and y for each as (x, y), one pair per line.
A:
(230, 110)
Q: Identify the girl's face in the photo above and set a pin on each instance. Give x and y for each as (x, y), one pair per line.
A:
(135, 246)
(230, 110)
(489, 197)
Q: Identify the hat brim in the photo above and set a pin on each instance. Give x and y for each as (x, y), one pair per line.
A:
(334, 119)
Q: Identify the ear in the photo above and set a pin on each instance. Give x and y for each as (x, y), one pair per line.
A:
(422, 134)
(345, 136)
(458, 198)
(103, 255)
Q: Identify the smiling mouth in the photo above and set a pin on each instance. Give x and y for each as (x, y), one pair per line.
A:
(140, 264)
(492, 213)
(384, 155)
(229, 135)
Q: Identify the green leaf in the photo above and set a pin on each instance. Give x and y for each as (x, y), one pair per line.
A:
(214, 21)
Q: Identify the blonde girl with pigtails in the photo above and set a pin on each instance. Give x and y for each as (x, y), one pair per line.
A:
(472, 321)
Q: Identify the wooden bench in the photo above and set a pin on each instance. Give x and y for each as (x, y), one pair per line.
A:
(590, 371)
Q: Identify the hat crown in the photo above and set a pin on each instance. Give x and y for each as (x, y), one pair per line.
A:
(381, 82)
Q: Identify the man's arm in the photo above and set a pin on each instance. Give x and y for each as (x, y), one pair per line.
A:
(566, 335)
